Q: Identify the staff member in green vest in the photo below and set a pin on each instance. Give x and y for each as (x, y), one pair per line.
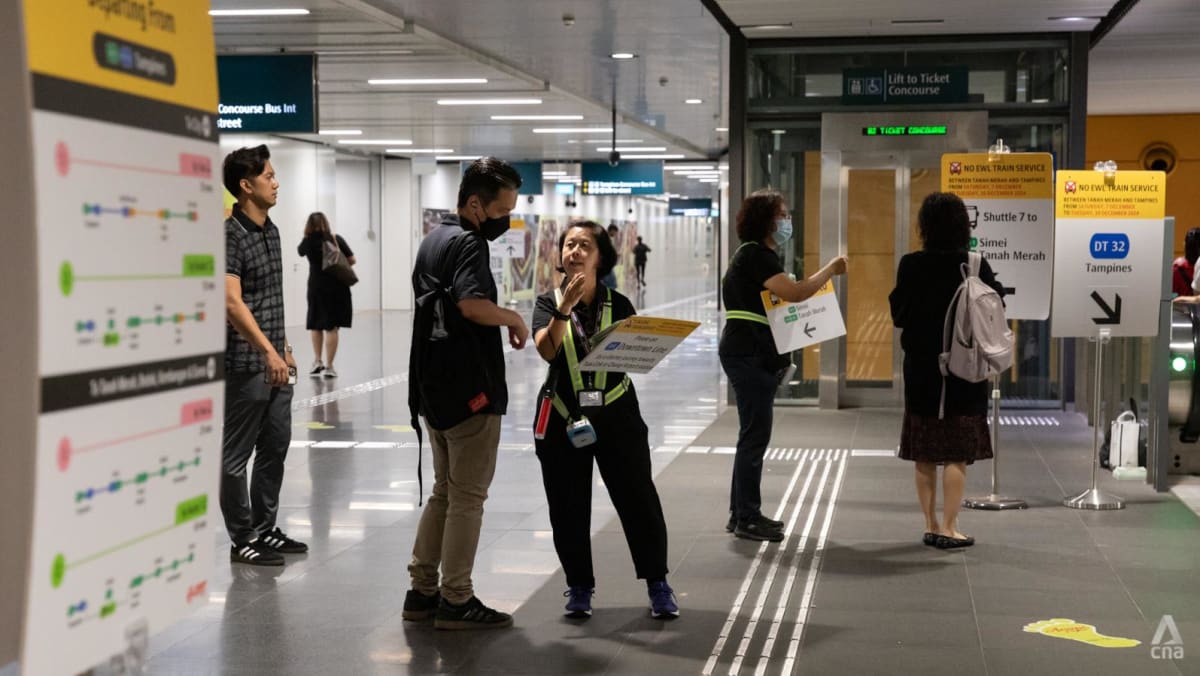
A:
(747, 349)
(586, 416)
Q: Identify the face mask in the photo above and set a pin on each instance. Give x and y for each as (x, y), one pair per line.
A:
(493, 228)
(783, 231)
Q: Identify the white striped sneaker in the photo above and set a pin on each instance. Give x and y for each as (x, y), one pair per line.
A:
(280, 542)
(256, 554)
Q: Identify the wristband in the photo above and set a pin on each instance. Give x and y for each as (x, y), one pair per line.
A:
(560, 316)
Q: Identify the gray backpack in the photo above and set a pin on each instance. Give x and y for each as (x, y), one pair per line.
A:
(976, 341)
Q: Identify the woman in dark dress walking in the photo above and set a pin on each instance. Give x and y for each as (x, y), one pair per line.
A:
(329, 304)
(925, 284)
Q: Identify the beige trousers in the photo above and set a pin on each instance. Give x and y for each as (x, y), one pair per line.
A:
(464, 462)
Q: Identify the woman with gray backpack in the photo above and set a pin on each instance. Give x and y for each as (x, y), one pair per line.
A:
(945, 383)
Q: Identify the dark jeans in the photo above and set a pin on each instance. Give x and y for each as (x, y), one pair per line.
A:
(754, 388)
(258, 420)
(641, 272)
(622, 453)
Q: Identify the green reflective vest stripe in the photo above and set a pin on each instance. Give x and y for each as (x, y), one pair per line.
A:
(747, 316)
(601, 378)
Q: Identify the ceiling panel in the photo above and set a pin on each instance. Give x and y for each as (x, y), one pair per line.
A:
(1150, 63)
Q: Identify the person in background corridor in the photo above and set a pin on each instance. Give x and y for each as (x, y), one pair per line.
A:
(639, 260)
(329, 304)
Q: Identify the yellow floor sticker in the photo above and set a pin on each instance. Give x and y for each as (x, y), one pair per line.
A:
(1078, 631)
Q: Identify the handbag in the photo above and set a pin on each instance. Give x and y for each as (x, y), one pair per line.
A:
(334, 262)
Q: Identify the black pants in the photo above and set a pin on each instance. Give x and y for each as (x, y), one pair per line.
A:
(258, 420)
(622, 453)
(641, 271)
(754, 388)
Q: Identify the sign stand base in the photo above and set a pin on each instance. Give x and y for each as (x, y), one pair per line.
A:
(1094, 498)
(995, 501)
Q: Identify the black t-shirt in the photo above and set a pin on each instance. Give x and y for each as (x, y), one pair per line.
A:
(752, 265)
(460, 259)
(639, 252)
(589, 315)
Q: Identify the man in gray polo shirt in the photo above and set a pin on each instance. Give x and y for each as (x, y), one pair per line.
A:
(258, 361)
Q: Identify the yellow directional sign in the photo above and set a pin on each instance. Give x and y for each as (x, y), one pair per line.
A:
(394, 428)
(1077, 631)
(316, 425)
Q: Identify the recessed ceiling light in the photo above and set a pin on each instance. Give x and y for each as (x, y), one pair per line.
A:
(777, 132)
(340, 132)
(1076, 18)
(390, 142)
(767, 26)
(489, 102)
(710, 180)
(451, 158)
(653, 157)
(573, 130)
(637, 149)
(693, 101)
(722, 128)
(554, 173)
(541, 118)
(689, 167)
(1041, 101)
(423, 151)
(620, 140)
(916, 22)
(427, 80)
(623, 56)
(257, 12)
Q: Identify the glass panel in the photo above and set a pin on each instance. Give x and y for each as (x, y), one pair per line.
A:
(871, 248)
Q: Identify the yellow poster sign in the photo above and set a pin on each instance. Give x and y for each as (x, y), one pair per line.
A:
(157, 50)
(1130, 194)
(659, 326)
(1004, 176)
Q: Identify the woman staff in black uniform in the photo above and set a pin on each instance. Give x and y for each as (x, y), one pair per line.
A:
(748, 352)
(586, 416)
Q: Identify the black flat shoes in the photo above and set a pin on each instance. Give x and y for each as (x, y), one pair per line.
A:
(930, 539)
(947, 542)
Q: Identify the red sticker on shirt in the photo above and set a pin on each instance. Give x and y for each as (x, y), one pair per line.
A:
(479, 403)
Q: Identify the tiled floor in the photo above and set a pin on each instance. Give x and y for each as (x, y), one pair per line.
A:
(851, 590)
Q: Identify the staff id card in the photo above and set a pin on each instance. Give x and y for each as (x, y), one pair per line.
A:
(797, 325)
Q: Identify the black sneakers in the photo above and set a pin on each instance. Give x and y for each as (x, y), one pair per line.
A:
(255, 554)
(419, 607)
(759, 528)
(470, 615)
(280, 542)
(731, 525)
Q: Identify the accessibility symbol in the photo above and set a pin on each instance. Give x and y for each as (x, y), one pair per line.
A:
(874, 85)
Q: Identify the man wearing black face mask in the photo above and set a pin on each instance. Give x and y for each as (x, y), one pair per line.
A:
(456, 382)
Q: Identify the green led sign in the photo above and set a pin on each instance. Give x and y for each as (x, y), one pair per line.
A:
(1179, 364)
(901, 130)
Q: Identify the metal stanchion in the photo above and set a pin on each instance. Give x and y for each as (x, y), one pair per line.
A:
(994, 500)
(1094, 498)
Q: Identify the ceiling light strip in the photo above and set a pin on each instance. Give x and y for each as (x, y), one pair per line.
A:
(258, 12)
(489, 102)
